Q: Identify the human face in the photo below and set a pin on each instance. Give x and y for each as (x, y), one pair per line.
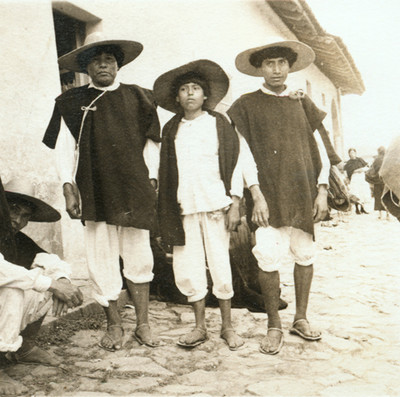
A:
(20, 215)
(275, 72)
(191, 97)
(103, 69)
(352, 154)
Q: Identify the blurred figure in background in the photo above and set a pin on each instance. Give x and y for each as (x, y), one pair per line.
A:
(372, 176)
(355, 168)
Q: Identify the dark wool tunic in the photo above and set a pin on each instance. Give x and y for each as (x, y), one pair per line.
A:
(279, 131)
(169, 210)
(112, 176)
(27, 250)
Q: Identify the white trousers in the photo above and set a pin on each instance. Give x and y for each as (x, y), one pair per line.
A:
(207, 240)
(276, 246)
(18, 308)
(104, 245)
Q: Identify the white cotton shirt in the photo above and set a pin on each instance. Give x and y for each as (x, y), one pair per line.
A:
(45, 267)
(200, 187)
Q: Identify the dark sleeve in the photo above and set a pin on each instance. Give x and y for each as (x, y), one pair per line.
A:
(51, 134)
(315, 116)
(240, 118)
(333, 156)
(148, 114)
(363, 162)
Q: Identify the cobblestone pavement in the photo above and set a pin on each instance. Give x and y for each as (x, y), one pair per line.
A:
(354, 302)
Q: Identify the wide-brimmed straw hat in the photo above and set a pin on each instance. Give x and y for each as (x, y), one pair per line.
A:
(131, 50)
(305, 56)
(22, 189)
(215, 77)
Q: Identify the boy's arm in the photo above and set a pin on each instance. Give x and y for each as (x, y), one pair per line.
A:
(250, 176)
(320, 210)
(151, 155)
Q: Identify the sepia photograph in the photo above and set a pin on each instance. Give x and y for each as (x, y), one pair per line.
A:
(200, 198)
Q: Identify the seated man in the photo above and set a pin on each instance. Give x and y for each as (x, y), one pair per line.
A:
(29, 277)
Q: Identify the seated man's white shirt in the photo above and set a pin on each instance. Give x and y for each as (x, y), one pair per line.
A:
(200, 187)
(24, 297)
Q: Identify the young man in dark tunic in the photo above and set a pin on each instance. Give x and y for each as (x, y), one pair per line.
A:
(109, 182)
(200, 187)
(293, 171)
(29, 279)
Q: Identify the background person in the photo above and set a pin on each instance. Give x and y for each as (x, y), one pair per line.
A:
(28, 280)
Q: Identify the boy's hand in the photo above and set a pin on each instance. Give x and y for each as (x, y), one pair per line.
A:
(71, 195)
(260, 211)
(320, 210)
(232, 219)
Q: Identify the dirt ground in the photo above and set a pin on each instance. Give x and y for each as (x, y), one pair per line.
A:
(354, 302)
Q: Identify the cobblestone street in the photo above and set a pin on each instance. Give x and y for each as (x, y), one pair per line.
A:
(354, 302)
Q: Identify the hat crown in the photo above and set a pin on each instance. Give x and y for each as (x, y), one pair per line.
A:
(95, 37)
(20, 186)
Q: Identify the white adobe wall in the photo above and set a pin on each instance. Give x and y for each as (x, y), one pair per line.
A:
(30, 82)
(174, 32)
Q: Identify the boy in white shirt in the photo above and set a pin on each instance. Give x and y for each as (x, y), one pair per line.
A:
(200, 188)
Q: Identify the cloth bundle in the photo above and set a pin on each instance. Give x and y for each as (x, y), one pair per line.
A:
(390, 174)
(338, 193)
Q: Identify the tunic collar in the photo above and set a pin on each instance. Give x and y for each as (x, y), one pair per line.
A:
(111, 87)
(265, 90)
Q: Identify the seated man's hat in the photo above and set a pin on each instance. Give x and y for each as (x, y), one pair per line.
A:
(305, 56)
(22, 190)
(131, 50)
(211, 73)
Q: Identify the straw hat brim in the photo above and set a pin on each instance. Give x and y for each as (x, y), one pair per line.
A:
(131, 50)
(215, 76)
(305, 57)
(43, 212)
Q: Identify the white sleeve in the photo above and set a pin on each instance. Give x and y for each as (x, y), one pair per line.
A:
(237, 180)
(323, 178)
(151, 154)
(13, 276)
(65, 154)
(52, 266)
(248, 165)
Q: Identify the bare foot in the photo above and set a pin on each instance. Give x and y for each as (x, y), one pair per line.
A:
(193, 338)
(10, 386)
(302, 328)
(36, 356)
(273, 342)
(143, 336)
(232, 339)
(112, 339)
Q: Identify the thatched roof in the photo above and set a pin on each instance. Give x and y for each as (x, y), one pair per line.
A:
(332, 56)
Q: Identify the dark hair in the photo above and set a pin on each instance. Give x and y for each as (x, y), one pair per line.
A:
(85, 57)
(381, 150)
(190, 77)
(351, 149)
(256, 59)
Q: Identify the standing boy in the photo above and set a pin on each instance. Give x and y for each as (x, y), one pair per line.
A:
(293, 172)
(108, 163)
(200, 187)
